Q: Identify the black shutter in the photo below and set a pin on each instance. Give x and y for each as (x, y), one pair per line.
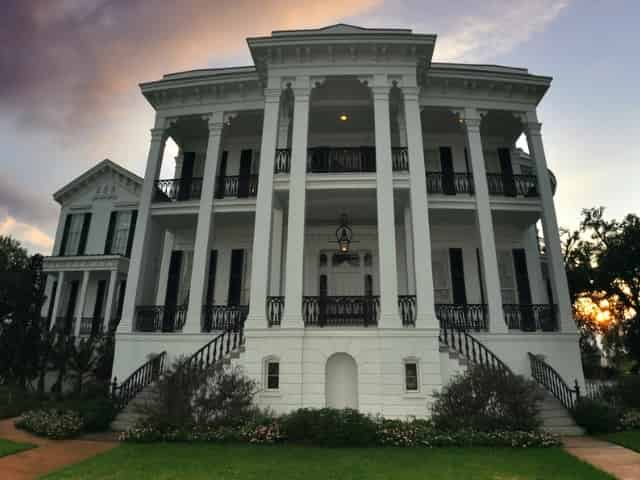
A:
(222, 173)
(171, 296)
(97, 308)
(446, 164)
(52, 300)
(123, 287)
(71, 306)
(235, 277)
(65, 235)
(245, 173)
(132, 231)
(508, 181)
(211, 285)
(480, 276)
(84, 233)
(186, 175)
(108, 244)
(457, 276)
(522, 276)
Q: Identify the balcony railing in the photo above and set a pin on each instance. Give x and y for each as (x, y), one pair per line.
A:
(282, 162)
(178, 189)
(400, 159)
(512, 185)
(339, 160)
(449, 183)
(531, 318)
(91, 326)
(353, 311)
(223, 317)
(463, 316)
(160, 318)
(239, 186)
(275, 309)
(407, 307)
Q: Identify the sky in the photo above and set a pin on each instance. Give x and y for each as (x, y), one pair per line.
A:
(70, 69)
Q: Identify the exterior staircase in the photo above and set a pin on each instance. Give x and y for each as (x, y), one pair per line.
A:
(556, 418)
(137, 391)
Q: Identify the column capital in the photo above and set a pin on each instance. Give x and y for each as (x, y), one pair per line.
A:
(533, 128)
(301, 94)
(472, 124)
(380, 93)
(215, 121)
(411, 93)
(272, 95)
(158, 134)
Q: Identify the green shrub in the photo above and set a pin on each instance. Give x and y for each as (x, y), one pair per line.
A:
(96, 413)
(626, 392)
(630, 420)
(329, 427)
(596, 416)
(485, 400)
(399, 433)
(51, 423)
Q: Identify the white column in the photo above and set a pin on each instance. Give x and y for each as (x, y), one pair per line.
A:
(79, 312)
(276, 251)
(408, 244)
(426, 317)
(141, 238)
(202, 251)
(550, 226)
(57, 299)
(49, 281)
(292, 317)
(264, 203)
(488, 254)
(111, 293)
(163, 276)
(389, 314)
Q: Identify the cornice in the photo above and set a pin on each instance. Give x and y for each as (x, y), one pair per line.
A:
(86, 262)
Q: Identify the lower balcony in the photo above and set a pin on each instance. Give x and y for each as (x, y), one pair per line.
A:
(160, 318)
(223, 317)
(510, 185)
(463, 315)
(347, 311)
(238, 186)
(178, 189)
(449, 183)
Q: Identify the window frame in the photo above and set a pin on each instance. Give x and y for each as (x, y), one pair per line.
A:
(268, 375)
(405, 363)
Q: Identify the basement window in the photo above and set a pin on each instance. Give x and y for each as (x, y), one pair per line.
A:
(273, 375)
(411, 376)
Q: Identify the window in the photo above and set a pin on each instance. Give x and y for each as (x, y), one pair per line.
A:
(121, 233)
(411, 376)
(273, 375)
(72, 240)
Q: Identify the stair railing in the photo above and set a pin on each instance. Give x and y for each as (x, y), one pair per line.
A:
(222, 345)
(471, 348)
(145, 375)
(552, 381)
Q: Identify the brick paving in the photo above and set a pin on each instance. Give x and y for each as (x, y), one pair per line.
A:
(47, 456)
(618, 461)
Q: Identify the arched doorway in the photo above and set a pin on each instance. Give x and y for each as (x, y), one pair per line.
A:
(341, 382)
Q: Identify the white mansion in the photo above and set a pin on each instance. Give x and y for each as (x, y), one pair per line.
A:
(355, 218)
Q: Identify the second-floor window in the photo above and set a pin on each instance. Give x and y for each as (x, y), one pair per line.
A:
(120, 232)
(74, 236)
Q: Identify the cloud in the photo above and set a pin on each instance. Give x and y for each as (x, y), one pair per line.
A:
(17, 202)
(31, 237)
(69, 63)
(498, 29)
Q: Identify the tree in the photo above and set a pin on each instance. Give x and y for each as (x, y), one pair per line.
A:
(602, 259)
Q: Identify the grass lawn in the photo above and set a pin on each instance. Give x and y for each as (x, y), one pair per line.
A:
(162, 461)
(630, 439)
(8, 447)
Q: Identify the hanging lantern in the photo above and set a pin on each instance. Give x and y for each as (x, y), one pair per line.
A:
(344, 235)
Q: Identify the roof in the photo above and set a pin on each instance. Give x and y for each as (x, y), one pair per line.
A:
(93, 172)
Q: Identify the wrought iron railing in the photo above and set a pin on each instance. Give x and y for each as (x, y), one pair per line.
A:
(223, 317)
(160, 318)
(449, 183)
(471, 348)
(237, 186)
(177, 189)
(91, 326)
(343, 159)
(512, 185)
(531, 318)
(216, 350)
(145, 375)
(275, 309)
(552, 381)
(400, 159)
(463, 316)
(282, 162)
(343, 311)
(407, 306)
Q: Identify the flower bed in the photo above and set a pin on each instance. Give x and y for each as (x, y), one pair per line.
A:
(51, 423)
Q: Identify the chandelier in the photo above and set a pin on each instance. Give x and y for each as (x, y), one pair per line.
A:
(344, 235)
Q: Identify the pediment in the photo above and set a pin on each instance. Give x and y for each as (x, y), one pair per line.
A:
(106, 181)
(340, 28)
